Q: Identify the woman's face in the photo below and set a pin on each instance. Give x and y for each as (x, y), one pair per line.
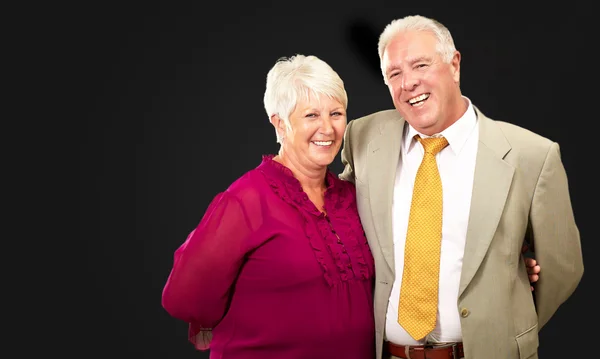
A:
(316, 134)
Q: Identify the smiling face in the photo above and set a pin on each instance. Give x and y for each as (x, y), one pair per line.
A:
(424, 89)
(315, 135)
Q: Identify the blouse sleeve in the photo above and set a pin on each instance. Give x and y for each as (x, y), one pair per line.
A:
(207, 263)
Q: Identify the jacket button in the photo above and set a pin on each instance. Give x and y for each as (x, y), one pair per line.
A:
(464, 312)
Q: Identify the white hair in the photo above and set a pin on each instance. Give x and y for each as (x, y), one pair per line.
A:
(297, 78)
(445, 44)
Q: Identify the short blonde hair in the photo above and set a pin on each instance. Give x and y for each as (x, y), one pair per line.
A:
(297, 78)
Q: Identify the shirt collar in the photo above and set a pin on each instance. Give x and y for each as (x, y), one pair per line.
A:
(457, 134)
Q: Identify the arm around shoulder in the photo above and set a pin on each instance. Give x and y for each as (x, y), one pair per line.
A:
(347, 159)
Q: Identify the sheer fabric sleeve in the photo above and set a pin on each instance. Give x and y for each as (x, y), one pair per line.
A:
(206, 265)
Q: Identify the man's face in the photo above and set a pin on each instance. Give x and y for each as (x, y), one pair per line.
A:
(424, 89)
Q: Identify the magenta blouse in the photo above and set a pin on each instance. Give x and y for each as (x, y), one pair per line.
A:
(273, 276)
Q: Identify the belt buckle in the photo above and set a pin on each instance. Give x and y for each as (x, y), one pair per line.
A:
(423, 348)
(454, 350)
(454, 346)
(430, 346)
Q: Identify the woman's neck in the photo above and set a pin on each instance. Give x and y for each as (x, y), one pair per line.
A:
(310, 180)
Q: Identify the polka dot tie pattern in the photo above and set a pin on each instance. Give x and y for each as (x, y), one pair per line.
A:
(418, 305)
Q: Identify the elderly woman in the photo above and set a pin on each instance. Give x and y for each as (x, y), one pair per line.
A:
(279, 266)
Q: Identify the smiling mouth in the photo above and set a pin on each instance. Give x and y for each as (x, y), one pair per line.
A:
(418, 100)
(323, 143)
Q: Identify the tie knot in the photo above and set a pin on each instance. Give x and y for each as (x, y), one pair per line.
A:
(432, 145)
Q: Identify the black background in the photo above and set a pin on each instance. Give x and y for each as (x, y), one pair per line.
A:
(172, 113)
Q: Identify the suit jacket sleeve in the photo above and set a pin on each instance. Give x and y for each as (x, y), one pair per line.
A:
(347, 159)
(556, 239)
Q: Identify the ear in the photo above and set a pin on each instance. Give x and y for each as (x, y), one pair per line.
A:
(455, 66)
(279, 125)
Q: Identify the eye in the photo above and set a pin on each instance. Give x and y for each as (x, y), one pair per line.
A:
(420, 66)
(311, 115)
(337, 113)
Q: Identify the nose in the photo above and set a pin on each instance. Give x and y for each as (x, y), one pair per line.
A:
(326, 125)
(409, 81)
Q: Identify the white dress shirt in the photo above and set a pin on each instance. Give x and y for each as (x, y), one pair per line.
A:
(456, 164)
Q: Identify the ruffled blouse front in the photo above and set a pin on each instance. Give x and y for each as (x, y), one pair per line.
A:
(341, 260)
(274, 276)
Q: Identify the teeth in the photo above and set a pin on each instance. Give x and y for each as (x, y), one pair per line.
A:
(422, 97)
(322, 143)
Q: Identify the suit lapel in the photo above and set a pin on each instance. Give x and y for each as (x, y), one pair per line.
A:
(491, 184)
(382, 161)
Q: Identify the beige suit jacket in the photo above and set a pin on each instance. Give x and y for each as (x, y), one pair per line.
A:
(520, 191)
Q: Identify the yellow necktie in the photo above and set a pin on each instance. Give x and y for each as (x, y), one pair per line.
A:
(417, 310)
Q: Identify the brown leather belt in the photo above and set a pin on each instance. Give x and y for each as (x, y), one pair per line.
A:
(429, 351)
